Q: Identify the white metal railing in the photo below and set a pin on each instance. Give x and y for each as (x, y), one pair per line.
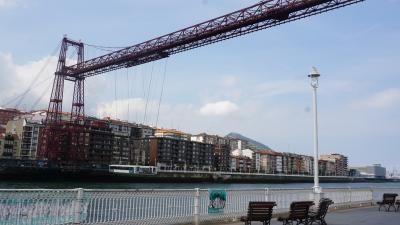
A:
(148, 206)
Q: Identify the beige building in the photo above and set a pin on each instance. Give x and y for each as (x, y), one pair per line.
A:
(265, 161)
(307, 165)
(340, 161)
(327, 168)
(22, 136)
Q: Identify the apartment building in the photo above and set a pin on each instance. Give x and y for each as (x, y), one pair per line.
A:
(11, 147)
(292, 163)
(23, 133)
(140, 152)
(121, 132)
(241, 163)
(221, 150)
(99, 143)
(265, 161)
(341, 163)
(141, 131)
(307, 165)
(327, 168)
(172, 153)
(30, 139)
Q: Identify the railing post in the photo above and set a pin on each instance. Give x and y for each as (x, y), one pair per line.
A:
(372, 195)
(196, 207)
(350, 197)
(266, 194)
(77, 206)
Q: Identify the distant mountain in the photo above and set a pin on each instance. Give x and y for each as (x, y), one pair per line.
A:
(252, 143)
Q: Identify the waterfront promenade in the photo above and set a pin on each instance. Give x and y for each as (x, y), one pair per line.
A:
(356, 216)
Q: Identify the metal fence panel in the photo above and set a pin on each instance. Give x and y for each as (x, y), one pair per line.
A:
(89, 206)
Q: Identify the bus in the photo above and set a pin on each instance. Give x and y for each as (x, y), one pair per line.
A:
(133, 169)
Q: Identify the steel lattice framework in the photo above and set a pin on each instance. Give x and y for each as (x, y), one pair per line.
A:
(265, 14)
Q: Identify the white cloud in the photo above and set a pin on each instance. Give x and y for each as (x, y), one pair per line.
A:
(17, 79)
(135, 109)
(218, 108)
(384, 99)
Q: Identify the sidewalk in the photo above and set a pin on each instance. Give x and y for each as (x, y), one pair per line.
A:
(360, 216)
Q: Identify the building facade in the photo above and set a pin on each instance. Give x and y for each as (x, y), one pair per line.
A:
(99, 143)
(11, 147)
(24, 132)
(292, 163)
(221, 150)
(30, 139)
(241, 164)
(341, 163)
(327, 168)
(265, 161)
(173, 154)
(307, 165)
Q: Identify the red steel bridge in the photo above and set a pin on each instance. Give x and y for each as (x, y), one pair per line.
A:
(63, 141)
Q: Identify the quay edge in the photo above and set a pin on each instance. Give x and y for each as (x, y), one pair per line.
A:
(40, 174)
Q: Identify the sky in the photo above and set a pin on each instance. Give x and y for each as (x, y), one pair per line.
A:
(255, 85)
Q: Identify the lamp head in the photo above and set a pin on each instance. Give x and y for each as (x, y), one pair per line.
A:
(314, 75)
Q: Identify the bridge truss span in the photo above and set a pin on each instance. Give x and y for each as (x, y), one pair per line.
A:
(257, 17)
(265, 14)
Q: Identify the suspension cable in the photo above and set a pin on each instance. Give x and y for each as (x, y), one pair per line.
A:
(32, 84)
(148, 92)
(41, 96)
(115, 95)
(162, 90)
(127, 81)
(104, 48)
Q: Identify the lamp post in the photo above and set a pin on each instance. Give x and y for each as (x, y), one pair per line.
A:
(314, 75)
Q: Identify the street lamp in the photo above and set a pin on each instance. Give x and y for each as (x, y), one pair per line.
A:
(314, 75)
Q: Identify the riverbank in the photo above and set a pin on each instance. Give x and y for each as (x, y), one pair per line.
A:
(47, 175)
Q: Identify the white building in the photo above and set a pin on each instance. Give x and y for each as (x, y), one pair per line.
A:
(245, 152)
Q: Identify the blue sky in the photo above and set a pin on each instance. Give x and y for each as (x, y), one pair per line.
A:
(256, 84)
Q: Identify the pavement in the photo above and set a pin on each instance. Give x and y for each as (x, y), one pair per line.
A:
(357, 216)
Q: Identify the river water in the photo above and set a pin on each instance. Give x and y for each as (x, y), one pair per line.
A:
(108, 185)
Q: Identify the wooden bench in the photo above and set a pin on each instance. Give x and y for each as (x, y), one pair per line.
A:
(320, 214)
(298, 213)
(388, 201)
(259, 211)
